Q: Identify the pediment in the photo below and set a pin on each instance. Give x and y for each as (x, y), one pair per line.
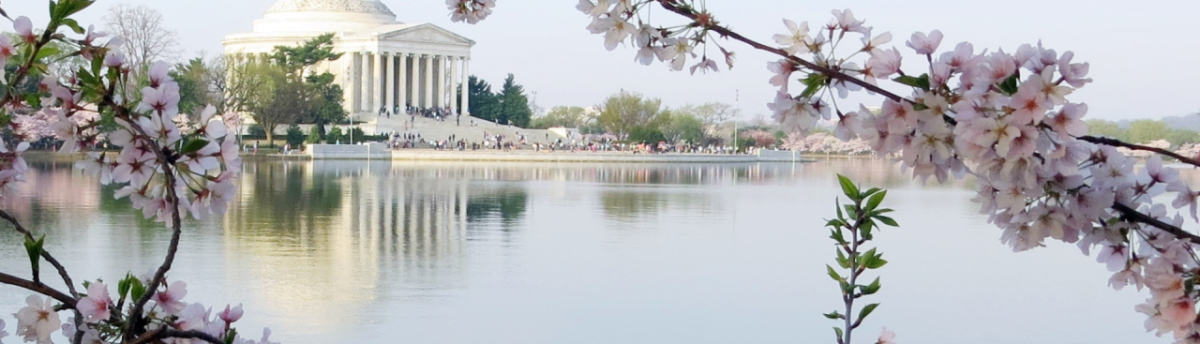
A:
(427, 33)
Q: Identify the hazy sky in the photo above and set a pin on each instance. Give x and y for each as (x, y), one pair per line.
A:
(1141, 52)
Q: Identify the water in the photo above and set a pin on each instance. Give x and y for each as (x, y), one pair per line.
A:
(373, 252)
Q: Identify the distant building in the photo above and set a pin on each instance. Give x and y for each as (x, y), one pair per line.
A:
(386, 64)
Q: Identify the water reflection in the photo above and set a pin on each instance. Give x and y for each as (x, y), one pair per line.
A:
(355, 251)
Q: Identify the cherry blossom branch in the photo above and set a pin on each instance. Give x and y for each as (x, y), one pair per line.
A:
(165, 333)
(709, 24)
(1130, 214)
(1118, 143)
(62, 271)
(38, 287)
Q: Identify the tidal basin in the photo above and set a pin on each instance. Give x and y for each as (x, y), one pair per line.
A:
(403, 252)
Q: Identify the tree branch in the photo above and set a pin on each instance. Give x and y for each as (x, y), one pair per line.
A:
(1118, 143)
(1132, 215)
(38, 288)
(62, 270)
(674, 6)
(165, 333)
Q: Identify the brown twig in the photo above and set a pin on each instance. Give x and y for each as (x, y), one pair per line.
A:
(1118, 143)
(687, 12)
(165, 333)
(38, 288)
(1132, 215)
(62, 270)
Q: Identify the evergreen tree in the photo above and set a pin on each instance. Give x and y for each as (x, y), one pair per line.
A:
(483, 103)
(514, 105)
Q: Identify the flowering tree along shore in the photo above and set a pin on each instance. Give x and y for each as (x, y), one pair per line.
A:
(1003, 118)
(166, 171)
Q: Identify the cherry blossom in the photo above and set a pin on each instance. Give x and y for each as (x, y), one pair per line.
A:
(169, 300)
(37, 320)
(95, 307)
(925, 45)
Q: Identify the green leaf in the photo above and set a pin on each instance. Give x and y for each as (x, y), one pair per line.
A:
(842, 260)
(848, 188)
(47, 51)
(833, 273)
(193, 145)
(836, 235)
(229, 337)
(876, 262)
(34, 249)
(875, 199)
(123, 286)
(921, 82)
(871, 191)
(1009, 86)
(74, 25)
(814, 82)
(887, 221)
(872, 288)
(833, 315)
(137, 290)
(838, 330)
(867, 311)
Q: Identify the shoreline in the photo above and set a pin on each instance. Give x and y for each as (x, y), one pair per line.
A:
(364, 152)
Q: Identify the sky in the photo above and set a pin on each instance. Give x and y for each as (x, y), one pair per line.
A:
(1142, 53)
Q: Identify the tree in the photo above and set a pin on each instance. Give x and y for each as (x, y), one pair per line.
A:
(328, 102)
(192, 77)
(514, 105)
(295, 136)
(298, 58)
(624, 111)
(683, 127)
(314, 135)
(1105, 128)
(287, 101)
(1146, 130)
(711, 115)
(482, 103)
(562, 116)
(147, 39)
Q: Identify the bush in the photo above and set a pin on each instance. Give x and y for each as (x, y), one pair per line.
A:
(334, 136)
(314, 135)
(646, 134)
(357, 135)
(295, 136)
(257, 130)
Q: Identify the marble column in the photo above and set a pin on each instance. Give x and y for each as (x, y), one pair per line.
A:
(466, 98)
(429, 81)
(402, 83)
(355, 82)
(454, 84)
(373, 88)
(439, 88)
(389, 94)
(366, 74)
(414, 73)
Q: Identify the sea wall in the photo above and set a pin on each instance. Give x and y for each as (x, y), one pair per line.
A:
(379, 151)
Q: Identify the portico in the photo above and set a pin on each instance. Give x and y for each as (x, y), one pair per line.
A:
(386, 65)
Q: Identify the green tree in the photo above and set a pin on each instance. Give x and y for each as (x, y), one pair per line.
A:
(1146, 130)
(314, 135)
(328, 106)
(483, 103)
(1099, 127)
(1178, 137)
(288, 100)
(335, 136)
(295, 136)
(562, 116)
(514, 105)
(192, 78)
(683, 127)
(297, 59)
(622, 112)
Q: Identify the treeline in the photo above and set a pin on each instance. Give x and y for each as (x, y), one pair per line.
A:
(1143, 131)
(508, 106)
(634, 117)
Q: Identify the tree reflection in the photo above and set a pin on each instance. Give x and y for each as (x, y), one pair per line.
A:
(506, 203)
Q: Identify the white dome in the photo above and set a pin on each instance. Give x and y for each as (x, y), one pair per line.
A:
(319, 16)
(356, 6)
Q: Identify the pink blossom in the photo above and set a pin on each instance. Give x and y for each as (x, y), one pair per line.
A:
(231, 315)
(169, 300)
(95, 307)
(24, 28)
(925, 45)
(886, 336)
